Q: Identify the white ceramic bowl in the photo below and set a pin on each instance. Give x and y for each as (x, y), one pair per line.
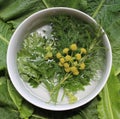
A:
(39, 96)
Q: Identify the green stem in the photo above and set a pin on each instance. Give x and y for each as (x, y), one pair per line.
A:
(66, 77)
(98, 8)
(61, 82)
(107, 95)
(38, 117)
(4, 39)
(45, 3)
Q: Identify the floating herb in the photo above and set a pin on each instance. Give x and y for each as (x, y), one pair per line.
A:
(68, 60)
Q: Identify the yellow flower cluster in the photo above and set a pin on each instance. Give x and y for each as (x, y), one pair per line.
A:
(71, 59)
(49, 54)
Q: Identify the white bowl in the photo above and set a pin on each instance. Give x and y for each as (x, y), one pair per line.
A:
(38, 96)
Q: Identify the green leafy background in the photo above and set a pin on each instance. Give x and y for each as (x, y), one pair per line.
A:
(106, 105)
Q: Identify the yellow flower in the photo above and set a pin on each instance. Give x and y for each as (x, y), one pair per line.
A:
(62, 60)
(76, 72)
(73, 47)
(78, 56)
(66, 65)
(73, 69)
(48, 55)
(60, 64)
(68, 57)
(67, 69)
(82, 66)
(58, 55)
(83, 50)
(72, 97)
(65, 50)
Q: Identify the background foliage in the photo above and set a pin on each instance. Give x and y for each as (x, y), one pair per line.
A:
(106, 105)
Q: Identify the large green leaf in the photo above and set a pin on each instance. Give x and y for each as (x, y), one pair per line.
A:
(109, 13)
(8, 113)
(114, 36)
(5, 99)
(5, 4)
(78, 4)
(5, 34)
(109, 106)
(36, 5)
(17, 99)
(3, 51)
(20, 7)
(93, 6)
(26, 110)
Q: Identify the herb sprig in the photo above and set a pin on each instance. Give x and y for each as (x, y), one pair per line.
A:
(69, 60)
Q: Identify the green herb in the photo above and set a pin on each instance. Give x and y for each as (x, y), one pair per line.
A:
(66, 60)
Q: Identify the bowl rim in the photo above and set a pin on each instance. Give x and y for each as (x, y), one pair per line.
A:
(32, 99)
